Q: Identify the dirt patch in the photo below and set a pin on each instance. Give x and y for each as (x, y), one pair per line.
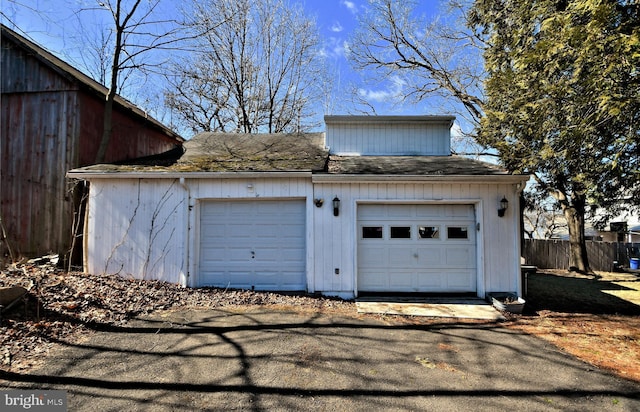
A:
(595, 318)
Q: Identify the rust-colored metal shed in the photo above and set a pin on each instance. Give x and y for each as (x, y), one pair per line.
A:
(52, 119)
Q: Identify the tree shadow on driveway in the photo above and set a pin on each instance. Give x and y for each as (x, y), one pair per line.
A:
(583, 295)
(217, 359)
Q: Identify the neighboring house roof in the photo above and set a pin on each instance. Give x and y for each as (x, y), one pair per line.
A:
(72, 74)
(412, 165)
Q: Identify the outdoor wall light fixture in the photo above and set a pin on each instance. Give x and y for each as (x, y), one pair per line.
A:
(336, 206)
(318, 202)
(504, 204)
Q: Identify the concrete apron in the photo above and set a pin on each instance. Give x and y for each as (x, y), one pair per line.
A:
(467, 308)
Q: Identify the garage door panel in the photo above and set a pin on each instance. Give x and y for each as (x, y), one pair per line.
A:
(266, 255)
(372, 211)
(258, 244)
(292, 254)
(221, 276)
(430, 280)
(459, 280)
(429, 257)
(400, 212)
(238, 209)
(399, 257)
(212, 257)
(460, 257)
(372, 257)
(456, 211)
(377, 280)
(434, 211)
(225, 232)
(236, 256)
(289, 280)
(402, 279)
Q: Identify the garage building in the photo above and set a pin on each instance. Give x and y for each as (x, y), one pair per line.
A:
(377, 204)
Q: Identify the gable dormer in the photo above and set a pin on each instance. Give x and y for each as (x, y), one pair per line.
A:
(389, 135)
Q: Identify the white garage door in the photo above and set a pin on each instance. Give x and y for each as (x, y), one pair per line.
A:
(416, 248)
(253, 244)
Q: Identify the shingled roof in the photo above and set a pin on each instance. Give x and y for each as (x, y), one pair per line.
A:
(297, 152)
(411, 165)
(230, 152)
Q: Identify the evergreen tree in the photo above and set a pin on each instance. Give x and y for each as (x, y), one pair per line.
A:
(562, 100)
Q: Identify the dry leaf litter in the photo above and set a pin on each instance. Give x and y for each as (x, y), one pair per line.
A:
(64, 305)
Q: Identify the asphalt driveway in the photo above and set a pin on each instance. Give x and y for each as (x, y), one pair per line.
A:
(224, 360)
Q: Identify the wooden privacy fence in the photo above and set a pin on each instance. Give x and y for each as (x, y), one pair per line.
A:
(554, 254)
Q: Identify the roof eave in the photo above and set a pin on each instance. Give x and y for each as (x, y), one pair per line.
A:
(91, 175)
(355, 119)
(370, 178)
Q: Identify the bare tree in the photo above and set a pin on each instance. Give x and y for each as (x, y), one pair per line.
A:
(437, 58)
(543, 221)
(258, 68)
(136, 31)
(97, 44)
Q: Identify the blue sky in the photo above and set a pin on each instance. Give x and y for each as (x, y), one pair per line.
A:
(55, 25)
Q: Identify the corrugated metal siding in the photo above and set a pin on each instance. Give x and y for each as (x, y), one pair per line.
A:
(137, 227)
(336, 237)
(389, 139)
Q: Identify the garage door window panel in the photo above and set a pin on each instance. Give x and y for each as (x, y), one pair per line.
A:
(457, 232)
(372, 232)
(428, 232)
(400, 232)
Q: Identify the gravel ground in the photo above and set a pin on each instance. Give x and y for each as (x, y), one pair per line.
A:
(63, 305)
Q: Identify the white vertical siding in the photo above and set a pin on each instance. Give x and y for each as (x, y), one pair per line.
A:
(136, 228)
(498, 260)
(148, 228)
(243, 188)
(390, 139)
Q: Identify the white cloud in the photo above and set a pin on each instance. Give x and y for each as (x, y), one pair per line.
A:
(392, 92)
(335, 47)
(341, 49)
(336, 27)
(456, 131)
(350, 5)
(375, 95)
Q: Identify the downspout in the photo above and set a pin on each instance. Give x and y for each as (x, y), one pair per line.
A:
(183, 183)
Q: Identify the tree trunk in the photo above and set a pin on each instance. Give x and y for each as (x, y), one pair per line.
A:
(107, 130)
(574, 214)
